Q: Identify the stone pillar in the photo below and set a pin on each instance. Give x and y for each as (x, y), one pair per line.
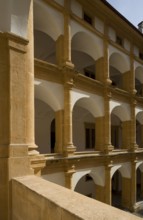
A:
(59, 50)
(107, 124)
(69, 149)
(126, 134)
(126, 82)
(59, 131)
(133, 144)
(67, 36)
(100, 69)
(29, 96)
(100, 193)
(68, 177)
(108, 185)
(129, 189)
(99, 144)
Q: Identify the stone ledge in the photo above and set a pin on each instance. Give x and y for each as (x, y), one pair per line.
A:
(34, 198)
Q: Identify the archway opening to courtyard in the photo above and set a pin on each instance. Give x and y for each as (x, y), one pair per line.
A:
(139, 81)
(44, 127)
(119, 70)
(83, 129)
(117, 189)
(44, 47)
(139, 182)
(116, 131)
(85, 51)
(86, 186)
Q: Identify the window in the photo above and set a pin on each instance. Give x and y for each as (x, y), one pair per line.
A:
(87, 18)
(89, 136)
(119, 40)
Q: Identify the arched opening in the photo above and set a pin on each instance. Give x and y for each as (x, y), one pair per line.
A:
(139, 196)
(118, 68)
(139, 81)
(53, 136)
(117, 190)
(44, 125)
(86, 49)
(116, 131)
(86, 186)
(44, 47)
(83, 129)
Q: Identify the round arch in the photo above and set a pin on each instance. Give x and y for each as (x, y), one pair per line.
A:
(119, 62)
(50, 93)
(86, 43)
(122, 112)
(139, 74)
(139, 117)
(42, 14)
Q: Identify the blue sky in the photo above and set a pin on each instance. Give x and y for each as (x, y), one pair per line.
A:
(131, 9)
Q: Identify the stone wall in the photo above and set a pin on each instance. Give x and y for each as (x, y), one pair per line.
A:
(36, 199)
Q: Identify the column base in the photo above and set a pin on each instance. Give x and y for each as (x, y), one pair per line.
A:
(108, 148)
(69, 151)
(32, 150)
(38, 162)
(134, 147)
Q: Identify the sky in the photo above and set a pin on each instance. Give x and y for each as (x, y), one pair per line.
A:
(130, 9)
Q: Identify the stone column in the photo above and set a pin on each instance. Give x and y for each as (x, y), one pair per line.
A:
(126, 134)
(108, 185)
(59, 131)
(29, 96)
(133, 144)
(100, 69)
(126, 82)
(126, 191)
(107, 124)
(69, 148)
(133, 185)
(68, 177)
(100, 193)
(99, 134)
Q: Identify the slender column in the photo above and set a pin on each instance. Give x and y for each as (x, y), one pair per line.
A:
(100, 69)
(68, 133)
(129, 189)
(100, 193)
(68, 177)
(67, 36)
(107, 124)
(29, 102)
(133, 143)
(126, 134)
(108, 184)
(127, 82)
(99, 134)
(59, 131)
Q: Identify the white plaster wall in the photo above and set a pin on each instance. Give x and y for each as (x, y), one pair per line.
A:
(58, 178)
(112, 34)
(99, 25)
(136, 51)
(76, 8)
(127, 45)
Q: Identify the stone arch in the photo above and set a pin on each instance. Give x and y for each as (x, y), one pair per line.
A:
(86, 43)
(124, 169)
(139, 80)
(122, 112)
(119, 61)
(89, 102)
(42, 14)
(50, 93)
(97, 173)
